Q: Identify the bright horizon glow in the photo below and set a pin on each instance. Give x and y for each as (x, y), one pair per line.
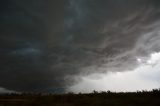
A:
(144, 77)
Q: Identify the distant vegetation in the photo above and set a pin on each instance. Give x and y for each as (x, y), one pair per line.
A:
(139, 98)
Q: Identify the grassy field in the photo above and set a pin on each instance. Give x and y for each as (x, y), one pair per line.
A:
(144, 98)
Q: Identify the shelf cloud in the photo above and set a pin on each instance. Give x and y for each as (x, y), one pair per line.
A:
(45, 44)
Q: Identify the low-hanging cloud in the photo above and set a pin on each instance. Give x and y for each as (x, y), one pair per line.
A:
(44, 43)
(144, 77)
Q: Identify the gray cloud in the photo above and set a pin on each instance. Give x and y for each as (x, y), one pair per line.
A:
(44, 43)
(3, 90)
(144, 77)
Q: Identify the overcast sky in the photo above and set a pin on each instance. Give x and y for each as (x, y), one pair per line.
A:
(74, 45)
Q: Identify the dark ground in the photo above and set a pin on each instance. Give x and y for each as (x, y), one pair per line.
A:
(144, 98)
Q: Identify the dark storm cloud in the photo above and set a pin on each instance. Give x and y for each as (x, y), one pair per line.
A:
(44, 43)
(24, 50)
